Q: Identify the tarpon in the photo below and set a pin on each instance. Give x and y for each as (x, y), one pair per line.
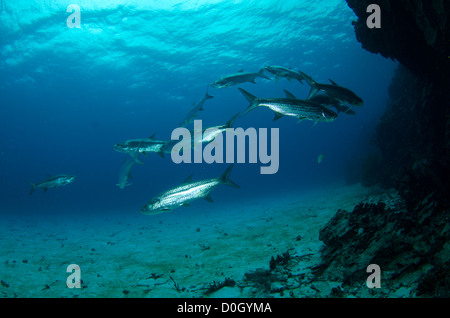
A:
(134, 147)
(327, 101)
(125, 172)
(195, 109)
(342, 94)
(210, 133)
(205, 136)
(185, 193)
(301, 109)
(238, 78)
(280, 71)
(52, 182)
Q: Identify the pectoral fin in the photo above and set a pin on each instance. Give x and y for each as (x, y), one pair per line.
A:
(277, 116)
(208, 198)
(188, 179)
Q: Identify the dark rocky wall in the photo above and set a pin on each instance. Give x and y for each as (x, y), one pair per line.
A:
(410, 242)
(413, 135)
(414, 32)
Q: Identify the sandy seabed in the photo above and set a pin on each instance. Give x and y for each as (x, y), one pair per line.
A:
(176, 254)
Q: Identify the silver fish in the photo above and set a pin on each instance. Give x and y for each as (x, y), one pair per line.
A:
(301, 109)
(327, 101)
(238, 78)
(185, 193)
(280, 71)
(195, 109)
(134, 147)
(52, 182)
(342, 94)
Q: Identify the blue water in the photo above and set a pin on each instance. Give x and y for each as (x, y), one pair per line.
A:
(134, 68)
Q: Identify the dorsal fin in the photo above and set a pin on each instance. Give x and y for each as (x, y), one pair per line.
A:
(289, 94)
(333, 82)
(188, 179)
(241, 71)
(152, 136)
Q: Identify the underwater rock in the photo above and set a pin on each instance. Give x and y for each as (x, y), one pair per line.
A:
(215, 286)
(280, 260)
(413, 134)
(414, 32)
(408, 246)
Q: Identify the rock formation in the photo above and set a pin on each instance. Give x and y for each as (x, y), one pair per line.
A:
(411, 243)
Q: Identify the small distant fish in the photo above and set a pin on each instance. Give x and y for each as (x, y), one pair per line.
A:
(341, 94)
(238, 78)
(320, 158)
(134, 147)
(195, 109)
(52, 182)
(185, 193)
(290, 106)
(125, 172)
(280, 71)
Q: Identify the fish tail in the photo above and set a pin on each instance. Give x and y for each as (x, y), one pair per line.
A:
(252, 100)
(225, 178)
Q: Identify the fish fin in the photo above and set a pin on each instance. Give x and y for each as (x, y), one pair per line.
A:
(185, 204)
(300, 119)
(289, 94)
(161, 153)
(207, 96)
(188, 179)
(252, 100)
(45, 190)
(277, 116)
(241, 71)
(333, 82)
(315, 123)
(314, 90)
(144, 153)
(152, 136)
(208, 198)
(225, 178)
(252, 81)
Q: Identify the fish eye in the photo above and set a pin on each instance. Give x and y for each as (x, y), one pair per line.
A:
(154, 201)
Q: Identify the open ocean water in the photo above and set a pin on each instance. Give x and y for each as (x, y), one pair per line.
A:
(133, 69)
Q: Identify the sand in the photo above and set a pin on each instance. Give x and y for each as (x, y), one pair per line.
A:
(177, 254)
